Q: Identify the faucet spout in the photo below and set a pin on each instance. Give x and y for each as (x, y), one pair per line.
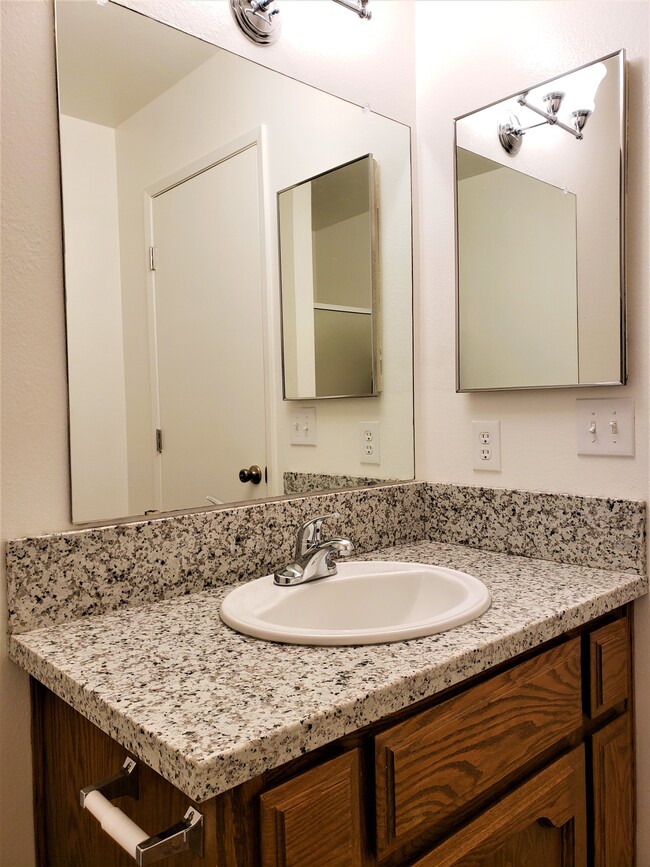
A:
(314, 558)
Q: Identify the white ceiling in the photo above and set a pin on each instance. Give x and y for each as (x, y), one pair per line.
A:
(100, 50)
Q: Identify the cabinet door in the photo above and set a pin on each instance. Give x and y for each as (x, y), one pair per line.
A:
(540, 824)
(609, 666)
(314, 820)
(613, 794)
(435, 767)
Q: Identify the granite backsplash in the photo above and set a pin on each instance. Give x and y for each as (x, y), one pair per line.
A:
(62, 577)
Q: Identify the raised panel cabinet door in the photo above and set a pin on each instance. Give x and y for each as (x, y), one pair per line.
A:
(314, 820)
(443, 763)
(541, 823)
(609, 666)
(614, 819)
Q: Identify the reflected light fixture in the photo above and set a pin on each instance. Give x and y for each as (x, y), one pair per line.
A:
(259, 20)
(578, 100)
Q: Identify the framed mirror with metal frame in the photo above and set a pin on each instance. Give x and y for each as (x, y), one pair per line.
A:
(540, 276)
(172, 154)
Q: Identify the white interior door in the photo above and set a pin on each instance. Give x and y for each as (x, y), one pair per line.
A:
(209, 334)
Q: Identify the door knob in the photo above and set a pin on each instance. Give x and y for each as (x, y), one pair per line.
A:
(252, 474)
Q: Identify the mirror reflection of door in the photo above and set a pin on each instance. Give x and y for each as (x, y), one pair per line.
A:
(209, 339)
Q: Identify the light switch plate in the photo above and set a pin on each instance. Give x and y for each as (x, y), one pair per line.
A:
(303, 426)
(606, 427)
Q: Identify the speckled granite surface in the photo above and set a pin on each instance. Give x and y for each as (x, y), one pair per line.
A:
(302, 483)
(54, 579)
(58, 578)
(209, 708)
(585, 531)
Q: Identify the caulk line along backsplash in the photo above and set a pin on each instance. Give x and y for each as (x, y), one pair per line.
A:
(62, 577)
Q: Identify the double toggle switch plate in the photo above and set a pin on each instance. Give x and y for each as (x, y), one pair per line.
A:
(606, 427)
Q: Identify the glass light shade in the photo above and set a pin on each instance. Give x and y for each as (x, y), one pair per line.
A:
(581, 88)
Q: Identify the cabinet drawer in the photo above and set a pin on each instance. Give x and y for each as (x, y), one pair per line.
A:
(609, 665)
(440, 761)
(542, 823)
(314, 820)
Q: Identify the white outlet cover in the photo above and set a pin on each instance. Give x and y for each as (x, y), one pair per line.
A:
(605, 427)
(369, 442)
(486, 446)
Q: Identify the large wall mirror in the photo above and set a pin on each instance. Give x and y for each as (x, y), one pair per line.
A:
(540, 235)
(173, 152)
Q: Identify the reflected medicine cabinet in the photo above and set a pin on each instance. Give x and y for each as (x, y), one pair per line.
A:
(540, 295)
(328, 271)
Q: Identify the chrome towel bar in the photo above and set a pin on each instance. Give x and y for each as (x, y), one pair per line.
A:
(184, 836)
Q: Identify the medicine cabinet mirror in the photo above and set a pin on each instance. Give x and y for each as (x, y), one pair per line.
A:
(540, 235)
(328, 276)
(173, 152)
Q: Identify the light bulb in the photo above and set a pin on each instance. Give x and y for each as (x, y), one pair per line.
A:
(581, 88)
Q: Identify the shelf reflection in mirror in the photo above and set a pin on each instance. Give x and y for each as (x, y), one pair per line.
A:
(328, 278)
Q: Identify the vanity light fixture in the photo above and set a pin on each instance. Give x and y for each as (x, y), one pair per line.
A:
(259, 20)
(578, 107)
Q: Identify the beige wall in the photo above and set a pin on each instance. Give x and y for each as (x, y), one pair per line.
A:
(527, 42)
(506, 46)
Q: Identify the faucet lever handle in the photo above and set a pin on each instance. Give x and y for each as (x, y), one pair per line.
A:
(309, 534)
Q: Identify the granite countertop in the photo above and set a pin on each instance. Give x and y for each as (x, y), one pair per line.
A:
(208, 708)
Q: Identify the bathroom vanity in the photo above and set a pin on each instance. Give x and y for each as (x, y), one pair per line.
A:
(506, 740)
(530, 764)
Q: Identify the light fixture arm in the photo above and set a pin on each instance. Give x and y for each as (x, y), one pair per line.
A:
(259, 20)
(263, 6)
(358, 6)
(550, 118)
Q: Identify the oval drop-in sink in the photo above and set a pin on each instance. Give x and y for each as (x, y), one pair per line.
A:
(368, 602)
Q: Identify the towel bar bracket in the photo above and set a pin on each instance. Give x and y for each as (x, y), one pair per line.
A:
(184, 836)
(122, 784)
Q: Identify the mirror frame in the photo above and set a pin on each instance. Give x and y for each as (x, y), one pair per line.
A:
(622, 139)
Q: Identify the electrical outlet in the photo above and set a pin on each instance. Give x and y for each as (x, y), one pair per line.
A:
(486, 445)
(303, 427)
(369, 452)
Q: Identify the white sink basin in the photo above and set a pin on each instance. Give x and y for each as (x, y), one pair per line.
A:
(365, 603)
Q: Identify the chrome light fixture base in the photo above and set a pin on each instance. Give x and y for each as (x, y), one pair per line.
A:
(510, 134)
(258, 20)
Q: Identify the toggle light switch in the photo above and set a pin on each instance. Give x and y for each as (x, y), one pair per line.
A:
(606, 427)
(303, 427)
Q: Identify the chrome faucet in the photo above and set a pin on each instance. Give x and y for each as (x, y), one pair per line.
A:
(314, 557)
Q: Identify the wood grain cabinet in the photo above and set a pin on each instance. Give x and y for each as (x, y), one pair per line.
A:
(541, 823)
(314, 818)
(530, 765)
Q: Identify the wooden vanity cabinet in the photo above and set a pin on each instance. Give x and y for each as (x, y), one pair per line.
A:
(529, 765)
